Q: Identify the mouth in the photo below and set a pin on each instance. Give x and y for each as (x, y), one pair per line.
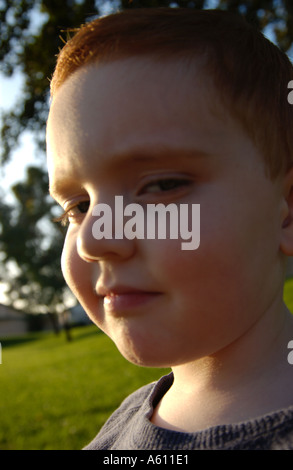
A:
(121, 298)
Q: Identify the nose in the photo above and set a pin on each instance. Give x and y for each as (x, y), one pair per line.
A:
(97, 238)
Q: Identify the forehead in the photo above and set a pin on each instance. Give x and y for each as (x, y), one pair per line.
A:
(118, 90)
(133, 106)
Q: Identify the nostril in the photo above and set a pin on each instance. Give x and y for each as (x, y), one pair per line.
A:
(286, 222)
(88, 260)
(91, 249)
(85, 250)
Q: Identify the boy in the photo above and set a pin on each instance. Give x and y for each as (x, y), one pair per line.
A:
(177, 106)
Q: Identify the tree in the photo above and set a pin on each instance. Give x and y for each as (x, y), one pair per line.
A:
(27, 237)
(34, 54)
(31, 246)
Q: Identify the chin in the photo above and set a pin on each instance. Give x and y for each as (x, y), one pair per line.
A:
(143, 354)
(156, 354)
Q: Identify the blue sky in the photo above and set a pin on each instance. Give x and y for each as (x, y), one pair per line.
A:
(10, 90)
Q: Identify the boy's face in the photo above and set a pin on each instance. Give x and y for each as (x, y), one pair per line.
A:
(145, 131)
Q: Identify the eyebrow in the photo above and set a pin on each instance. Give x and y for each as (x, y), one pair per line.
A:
(57, 189)
(152, 153)
(138, 156)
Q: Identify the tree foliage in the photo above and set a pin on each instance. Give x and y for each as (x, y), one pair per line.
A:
(34, 54)
(26, 235)
(33, 51)
(31, 245)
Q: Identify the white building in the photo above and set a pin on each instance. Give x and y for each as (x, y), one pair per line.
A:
(12, 322)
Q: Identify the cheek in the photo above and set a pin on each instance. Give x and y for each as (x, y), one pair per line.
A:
(78, 275)
(216, 275)
(177, 272)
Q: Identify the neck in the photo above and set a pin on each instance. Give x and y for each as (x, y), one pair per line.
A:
(248, 378)
(258, 350)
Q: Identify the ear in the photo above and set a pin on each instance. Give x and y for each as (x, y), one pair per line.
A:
(286, 244)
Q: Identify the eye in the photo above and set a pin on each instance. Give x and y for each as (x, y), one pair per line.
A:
(164, 185)
(72, 214)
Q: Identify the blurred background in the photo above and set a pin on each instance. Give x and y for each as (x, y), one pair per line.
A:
(58, 377)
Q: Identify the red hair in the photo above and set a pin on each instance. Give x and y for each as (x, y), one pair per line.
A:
(250, 74)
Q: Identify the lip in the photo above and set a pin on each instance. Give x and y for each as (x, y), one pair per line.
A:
(121, 298)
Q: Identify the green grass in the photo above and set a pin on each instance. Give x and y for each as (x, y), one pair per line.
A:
(55, 395)
(288, 294)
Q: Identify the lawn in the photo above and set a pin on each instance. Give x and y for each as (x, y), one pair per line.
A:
(56, 394)
(288, 294)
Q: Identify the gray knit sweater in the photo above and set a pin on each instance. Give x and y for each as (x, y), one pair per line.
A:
(129, 428)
